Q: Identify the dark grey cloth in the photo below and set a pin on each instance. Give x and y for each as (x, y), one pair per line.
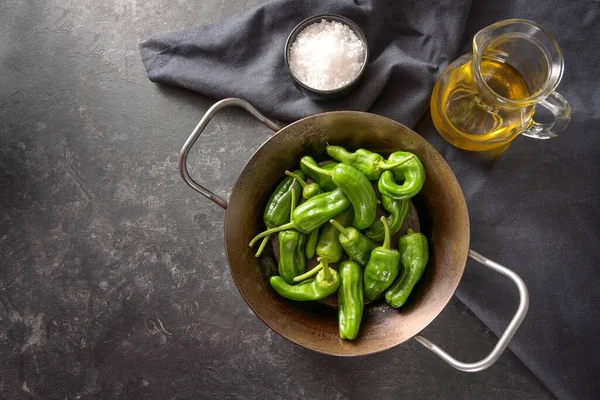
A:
(243, 56)
(533, 207)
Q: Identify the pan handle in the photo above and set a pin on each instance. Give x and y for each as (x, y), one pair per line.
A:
(506, 336)
(182, 161)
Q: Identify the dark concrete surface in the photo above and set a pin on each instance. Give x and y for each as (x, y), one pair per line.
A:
(113, 278)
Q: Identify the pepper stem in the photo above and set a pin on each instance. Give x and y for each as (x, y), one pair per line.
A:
(410, 231)
(262, 246)
(386, 228)
(301, 181)
(293, 204)
(289, 225)
(339, 227)
(308, 274)
(317, 169)
(397, 164)
(326, 270)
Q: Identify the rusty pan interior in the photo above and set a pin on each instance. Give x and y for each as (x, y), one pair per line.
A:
(442, 215)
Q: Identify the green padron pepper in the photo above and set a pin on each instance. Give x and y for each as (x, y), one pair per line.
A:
(357, 246)
(414, 254)
(324, 181)
(411, 172)
(372, 165)
(311, 214)
(311, 244)
(308, 189)
(382, 268)
(329, 246)
(324, 284)
(398, 210)
(350, 299)
(277, 211)
(358, 189)
(292, 260)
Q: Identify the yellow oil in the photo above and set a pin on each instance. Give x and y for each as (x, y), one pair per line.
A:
(473, 121)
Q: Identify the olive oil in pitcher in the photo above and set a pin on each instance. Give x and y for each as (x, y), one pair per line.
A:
(470, 120)
(485, 99)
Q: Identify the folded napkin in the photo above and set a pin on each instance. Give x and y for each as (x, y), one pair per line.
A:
(535, 208)
(410, 42)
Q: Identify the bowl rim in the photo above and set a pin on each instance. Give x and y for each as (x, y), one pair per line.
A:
(330, 17)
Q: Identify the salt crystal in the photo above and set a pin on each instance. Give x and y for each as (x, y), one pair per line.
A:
(326, 55)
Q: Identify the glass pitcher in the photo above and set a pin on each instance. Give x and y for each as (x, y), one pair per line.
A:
(485, 99)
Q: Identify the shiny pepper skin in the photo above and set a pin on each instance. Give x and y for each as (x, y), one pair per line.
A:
(372, 165)
(329, 246)
(357, 187)
(350, 299)
(357, 246)
(311, 244)
(414, 253)
(383, 267)
(311, 214)
(411, 172)
(292, 259)
(324, 284)
(398, 211)
(309, 190)
(323, 180)
(277, 211)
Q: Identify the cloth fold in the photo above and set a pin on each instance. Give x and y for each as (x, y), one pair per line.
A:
(533, 208)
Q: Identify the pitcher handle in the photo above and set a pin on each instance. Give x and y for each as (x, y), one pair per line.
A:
(182, 161)
(558, 106)
(506, 336)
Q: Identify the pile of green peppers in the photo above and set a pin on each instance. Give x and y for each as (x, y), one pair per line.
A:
(336, 221)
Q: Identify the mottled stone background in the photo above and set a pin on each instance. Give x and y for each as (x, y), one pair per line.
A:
(113, 278)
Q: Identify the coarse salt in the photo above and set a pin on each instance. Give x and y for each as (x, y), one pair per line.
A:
(326, 55)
